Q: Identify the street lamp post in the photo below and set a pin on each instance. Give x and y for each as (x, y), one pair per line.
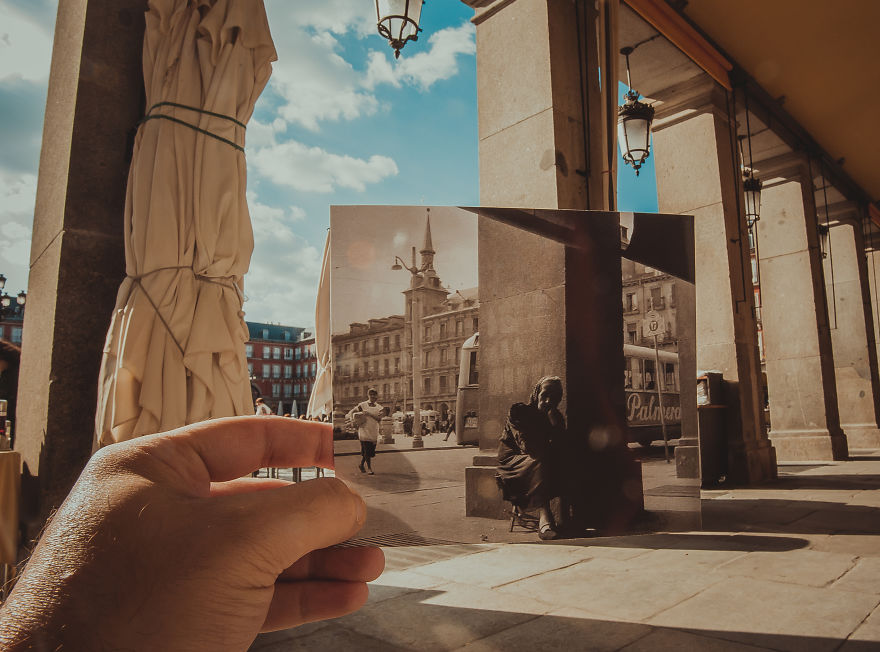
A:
(6, 300)
(415, 323)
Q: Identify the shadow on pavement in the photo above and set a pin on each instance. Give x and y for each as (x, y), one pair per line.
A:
(400, 618)
(790, 516)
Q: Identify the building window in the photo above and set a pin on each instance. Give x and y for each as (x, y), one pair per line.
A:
(357, 346)
(385, 390)
(386, 344)
(347, 391)
(387, 366)
(276, 352)
(296, 389)
(427, 385)
(442, 330)
(267, 370)
(631, 333)
(348, 347)
(276, 390)
(457, 355)
(396, 388)
(656, 298)
(276, 371)
(476, 324)
(288, 391)
(459, 327)
(288, 371)
(443, 381)
(288, 353)
(397, 341)
(250, 369)
(314, 368)
(249, 350)
(397, 365)
(427, 359)
(444, 355)
(629, 302)
(376, 345)
(265, 333)
(286, 336)
(427, 333)
(299, 370)
(298, 353)
(267, 352)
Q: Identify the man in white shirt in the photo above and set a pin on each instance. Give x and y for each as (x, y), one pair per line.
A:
(263, 410)
(371, 414)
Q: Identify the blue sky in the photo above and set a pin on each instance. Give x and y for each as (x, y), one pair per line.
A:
(341, 122)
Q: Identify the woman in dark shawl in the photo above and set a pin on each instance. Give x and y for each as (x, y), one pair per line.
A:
(526, 458)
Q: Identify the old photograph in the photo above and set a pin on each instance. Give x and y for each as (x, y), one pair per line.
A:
(508, 374)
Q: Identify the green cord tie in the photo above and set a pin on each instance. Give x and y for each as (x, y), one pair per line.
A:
(163, 116)
(231, 285)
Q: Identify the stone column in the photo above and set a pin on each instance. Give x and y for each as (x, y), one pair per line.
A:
(852, 334)
(534, 87)
(804, 417)
(697, 175)
(77, 255)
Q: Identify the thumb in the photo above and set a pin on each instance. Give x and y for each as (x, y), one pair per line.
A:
(290, 522)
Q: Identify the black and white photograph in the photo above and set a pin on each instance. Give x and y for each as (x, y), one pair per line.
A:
(509, 374)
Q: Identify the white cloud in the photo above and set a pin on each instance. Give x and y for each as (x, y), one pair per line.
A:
(25, 46)
(424, 68)
(316, 83)
(312, 169)
(17, 194)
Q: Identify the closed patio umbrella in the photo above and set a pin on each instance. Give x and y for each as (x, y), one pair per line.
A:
(321, 399)
(174, 352)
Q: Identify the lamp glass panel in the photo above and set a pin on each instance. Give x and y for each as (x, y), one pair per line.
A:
(633, 137)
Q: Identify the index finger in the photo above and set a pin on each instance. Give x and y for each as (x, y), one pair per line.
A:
(224, 449)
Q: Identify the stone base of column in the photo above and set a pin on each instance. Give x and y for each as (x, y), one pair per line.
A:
(687, 458)
(751, 462)
(809, 445)
(862, 435)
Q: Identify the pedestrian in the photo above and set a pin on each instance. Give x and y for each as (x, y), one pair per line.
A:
(450, 428)
(263, 410)
(367, 415)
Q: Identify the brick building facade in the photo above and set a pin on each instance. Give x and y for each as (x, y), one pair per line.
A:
(281, 364)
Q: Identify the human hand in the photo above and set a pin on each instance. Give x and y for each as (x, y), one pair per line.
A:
(163, 545)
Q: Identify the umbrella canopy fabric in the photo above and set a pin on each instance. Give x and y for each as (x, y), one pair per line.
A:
(175, 351)
(321, 399)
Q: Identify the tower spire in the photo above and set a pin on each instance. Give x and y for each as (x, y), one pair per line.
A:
(428, 247)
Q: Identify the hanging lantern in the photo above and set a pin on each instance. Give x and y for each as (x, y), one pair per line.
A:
(634, 124)
(398, 21)
(752, 190)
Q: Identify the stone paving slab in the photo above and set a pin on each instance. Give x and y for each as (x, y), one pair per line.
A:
(563, 629)
(807, 567)
(864, 577)
(505, 565)
(867, 636)
(445, 618)
(672, 640)
(858, 545)
(771, 614)
(614, 589)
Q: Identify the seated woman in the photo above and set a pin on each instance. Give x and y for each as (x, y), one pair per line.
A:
(526, 453)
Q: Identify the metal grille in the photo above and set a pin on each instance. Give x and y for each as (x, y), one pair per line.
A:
(397, 540)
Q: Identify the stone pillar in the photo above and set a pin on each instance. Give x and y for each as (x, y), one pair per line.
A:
(804, 417)
(697, 175)
(852, 334)
(535, 81)
(77, 256)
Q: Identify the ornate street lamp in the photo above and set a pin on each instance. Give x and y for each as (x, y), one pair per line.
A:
(752, 190)
(751, 184)
(398, 21)
(634, 123)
